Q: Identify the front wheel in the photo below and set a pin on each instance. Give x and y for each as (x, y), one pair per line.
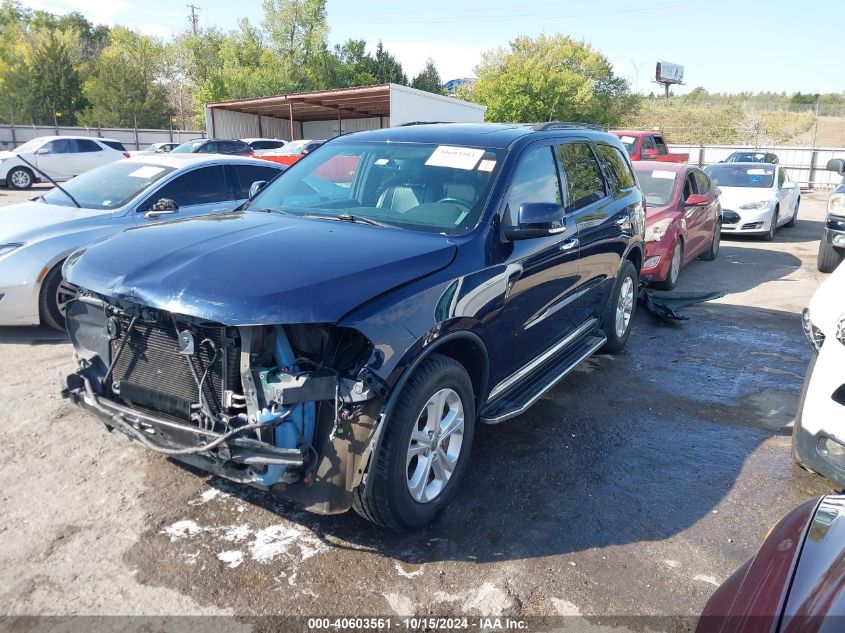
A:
(619, 312)
(19, 178)
(425, 448)
(774, 226)
(674, 267)
(55, 296)
(794, 217)
(829, 257)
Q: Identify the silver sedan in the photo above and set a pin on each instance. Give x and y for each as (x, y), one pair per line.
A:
(37, 236)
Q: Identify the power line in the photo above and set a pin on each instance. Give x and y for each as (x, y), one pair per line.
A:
(193, 18)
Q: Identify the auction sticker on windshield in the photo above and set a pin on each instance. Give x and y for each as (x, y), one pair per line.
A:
(147, 171)
(455, 157)
(665, 175)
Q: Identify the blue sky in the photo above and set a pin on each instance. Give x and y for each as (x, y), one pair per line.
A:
(725, 45)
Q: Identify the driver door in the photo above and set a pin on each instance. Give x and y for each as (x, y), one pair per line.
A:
(56, 158)
(201, 191)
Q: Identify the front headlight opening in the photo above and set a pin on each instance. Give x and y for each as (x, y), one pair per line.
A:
(814, 335)
(762, 204)
(656, 231)
(836, 205)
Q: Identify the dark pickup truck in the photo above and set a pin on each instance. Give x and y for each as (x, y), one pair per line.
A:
(336, 342)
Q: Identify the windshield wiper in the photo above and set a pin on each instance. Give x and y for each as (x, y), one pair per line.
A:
(57, 185)
(345, 217)
(267, 210)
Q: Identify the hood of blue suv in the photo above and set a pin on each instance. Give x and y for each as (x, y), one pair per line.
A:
(252, 268)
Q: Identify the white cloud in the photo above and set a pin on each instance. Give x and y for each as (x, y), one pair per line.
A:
(155, 29)
(452, 60)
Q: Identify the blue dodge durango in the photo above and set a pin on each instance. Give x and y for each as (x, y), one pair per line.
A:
(337, 339)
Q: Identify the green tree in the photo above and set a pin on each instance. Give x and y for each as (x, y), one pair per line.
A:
(428, 79)
(124, 91)
(56, 85)
(296, 28)
(385, 68)
(551, 78)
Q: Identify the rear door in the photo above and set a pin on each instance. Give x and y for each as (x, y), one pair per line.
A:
(201, 191)
(710, 217)
(540, 303)
(90, 154)
(604, 225)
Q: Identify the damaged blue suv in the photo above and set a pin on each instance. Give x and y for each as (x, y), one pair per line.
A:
(337, 339)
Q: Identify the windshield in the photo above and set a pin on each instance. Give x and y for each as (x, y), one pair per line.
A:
(422, 187)
(630, 143)
(30, 146)
(658, 185)
(108, 187)
(738, 176)
(187, 148)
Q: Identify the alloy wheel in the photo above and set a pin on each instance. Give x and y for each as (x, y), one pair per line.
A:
(675, 267)
(624, 306)
(65, 293)
(21, 179)
(435, 445)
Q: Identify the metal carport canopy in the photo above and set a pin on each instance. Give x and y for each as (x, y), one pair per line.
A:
(326, 105)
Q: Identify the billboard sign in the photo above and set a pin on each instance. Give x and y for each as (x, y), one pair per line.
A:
(669, 73)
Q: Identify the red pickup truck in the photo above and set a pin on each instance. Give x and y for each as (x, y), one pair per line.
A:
(648, 146)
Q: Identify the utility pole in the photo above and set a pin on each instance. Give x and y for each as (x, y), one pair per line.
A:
(194, 18)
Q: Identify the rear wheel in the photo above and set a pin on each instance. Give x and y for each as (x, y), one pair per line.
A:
(619, 312)
(19, 178)
(674, 267)
(55, 296)
(425, 448)
(711, 253)
(829, 257)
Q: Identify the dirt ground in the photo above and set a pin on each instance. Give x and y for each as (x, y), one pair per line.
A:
(633, 488)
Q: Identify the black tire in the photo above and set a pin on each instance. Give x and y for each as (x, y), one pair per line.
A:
(794, 218)
(615, 342)
(770, 236)
(711, 253)
(829, 257)
(48, 300)
(672, 275)
(22, 175)
(387, 500)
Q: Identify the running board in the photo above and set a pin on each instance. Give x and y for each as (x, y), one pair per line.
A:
(521, 396)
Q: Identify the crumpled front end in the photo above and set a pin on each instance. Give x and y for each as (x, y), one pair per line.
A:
(289, 408)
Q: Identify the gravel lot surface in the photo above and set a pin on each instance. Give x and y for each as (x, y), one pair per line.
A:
(633, 488)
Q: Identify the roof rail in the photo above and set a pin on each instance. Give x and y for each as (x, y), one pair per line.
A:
(567, 125)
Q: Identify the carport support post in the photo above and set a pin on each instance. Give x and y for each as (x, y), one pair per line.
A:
(339, 122)
(290, 108)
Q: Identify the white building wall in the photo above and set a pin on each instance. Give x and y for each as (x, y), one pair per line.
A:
(230, 124)
(408, 105)
(329, 129)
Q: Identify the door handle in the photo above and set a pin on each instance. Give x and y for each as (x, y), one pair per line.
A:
(569, 244)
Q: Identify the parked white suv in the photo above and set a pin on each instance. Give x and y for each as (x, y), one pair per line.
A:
(818, 439)
(60, 157)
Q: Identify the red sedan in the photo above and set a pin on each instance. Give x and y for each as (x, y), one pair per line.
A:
(796, 581)
(683, 219)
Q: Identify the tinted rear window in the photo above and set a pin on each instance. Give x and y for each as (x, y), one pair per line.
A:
(114, 145)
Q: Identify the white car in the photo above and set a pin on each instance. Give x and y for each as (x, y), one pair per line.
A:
(60, 157)
(37, 236)
(818, 437)
(757, 198)
(156, 148)
(264, 143)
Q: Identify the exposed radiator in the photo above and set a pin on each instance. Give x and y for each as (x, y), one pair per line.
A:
(153, 375)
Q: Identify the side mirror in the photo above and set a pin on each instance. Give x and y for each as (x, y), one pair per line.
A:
(257, 186)
(837, 165)
(697, 200)
(650, 153)
(537, 219)
(162, 206)
(42, 150)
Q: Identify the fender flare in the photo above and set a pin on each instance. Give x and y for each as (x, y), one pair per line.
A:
(387, 409)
